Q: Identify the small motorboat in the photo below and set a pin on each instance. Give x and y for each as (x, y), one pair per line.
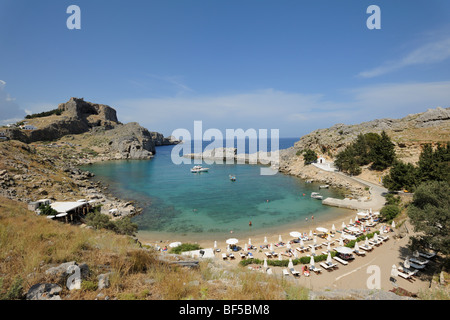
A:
(232, 178)
(325, 186)
(197, 169)
(316, 195)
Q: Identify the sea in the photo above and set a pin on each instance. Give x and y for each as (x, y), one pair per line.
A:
(190, 207)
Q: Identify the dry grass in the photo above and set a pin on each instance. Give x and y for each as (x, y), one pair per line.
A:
(30, 244)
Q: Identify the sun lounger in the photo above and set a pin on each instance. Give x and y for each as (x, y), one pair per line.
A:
(268, 254)
(366, 248)
(340, 260)
(384, 238)
(269, 271)
(328, 266)
(294, 272)
(243, 256)
(224, 256)
(359, 252)
(316, 270)
(378, 243)
(406, 276)
(416, 266)
(285, 272)
(419, 261)
(231, 256)
(250, 255)
(427, 255)
(301, 250)
(286, 254)
(274, 254)
(408, 271)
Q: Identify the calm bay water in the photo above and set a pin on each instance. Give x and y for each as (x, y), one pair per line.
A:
(183, 205)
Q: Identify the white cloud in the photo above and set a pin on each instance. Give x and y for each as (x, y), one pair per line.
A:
(293, 113)
(9, 109)
(433, 52)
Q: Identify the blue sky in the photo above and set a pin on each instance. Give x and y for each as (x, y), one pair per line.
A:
(293, 65)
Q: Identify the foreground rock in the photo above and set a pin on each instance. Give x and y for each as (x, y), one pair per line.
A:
(44, 291)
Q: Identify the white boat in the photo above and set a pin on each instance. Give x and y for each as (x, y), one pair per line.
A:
(196, 169)
(325, 186)
(232, 178)
(316, 195)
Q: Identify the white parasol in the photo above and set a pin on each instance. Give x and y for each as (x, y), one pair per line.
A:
(393, 224)
(290, 264)
(333, 228)
(311, 262)
(356, 248)
(265, 239)
(295, 234)
(329, 261)
(232, 241)
(394, 271)
(279, 238)
(321, 229)
(344, 250)
(265, 263)
(348, 236)
(175, 244)
(302, 244)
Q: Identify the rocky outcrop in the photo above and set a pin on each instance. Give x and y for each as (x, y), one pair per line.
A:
(91, 113)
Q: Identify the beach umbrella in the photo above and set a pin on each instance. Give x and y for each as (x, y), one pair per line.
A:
(394, 271)
(295, 254)
(246, 247)
(232, 241)
(328, 247)
(271, 247)
(329, 258)
(279, 257)
(311, 261)
(370, 211)
(416, 254)
(353, 229)
(279, 238)
(328, 238)
(265, 263)
(376, 213)
(366, 242)
(406, 264)
(310, 233)
(215, 244)
(362, 214)
(356, 248)
(290, 264)
(228, 248)
(344, 250)
(333, 228)
(393, 224)
(302, 244)
(381, 230)
(356, 218)
(348, 236)
(351, 221)
(313, 250)
(343, 224)
(315, 240)
(265, 239)
(321, 229)
(375, 237)
(288, 245)
(174, 244)
(295, 234)
(341, 242)
(249, 242)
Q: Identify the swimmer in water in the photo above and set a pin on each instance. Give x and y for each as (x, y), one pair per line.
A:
(250, 223)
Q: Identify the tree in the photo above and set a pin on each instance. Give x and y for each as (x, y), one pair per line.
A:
(401, 176)
(346, 161)
(434, 165)
(430, 215)
(309, 156)
(390, 211)
(383, 154)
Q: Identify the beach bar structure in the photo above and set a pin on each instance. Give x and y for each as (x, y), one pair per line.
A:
(70, 209)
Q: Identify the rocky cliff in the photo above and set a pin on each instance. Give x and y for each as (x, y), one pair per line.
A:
(94, 122)
(407, 133)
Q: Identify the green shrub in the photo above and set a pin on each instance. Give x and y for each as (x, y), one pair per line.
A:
(47, 210)
(89, 285)
(14, 292)
(185, 247)
(390, 211)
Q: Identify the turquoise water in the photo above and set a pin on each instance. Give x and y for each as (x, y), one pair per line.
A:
(181, 204)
